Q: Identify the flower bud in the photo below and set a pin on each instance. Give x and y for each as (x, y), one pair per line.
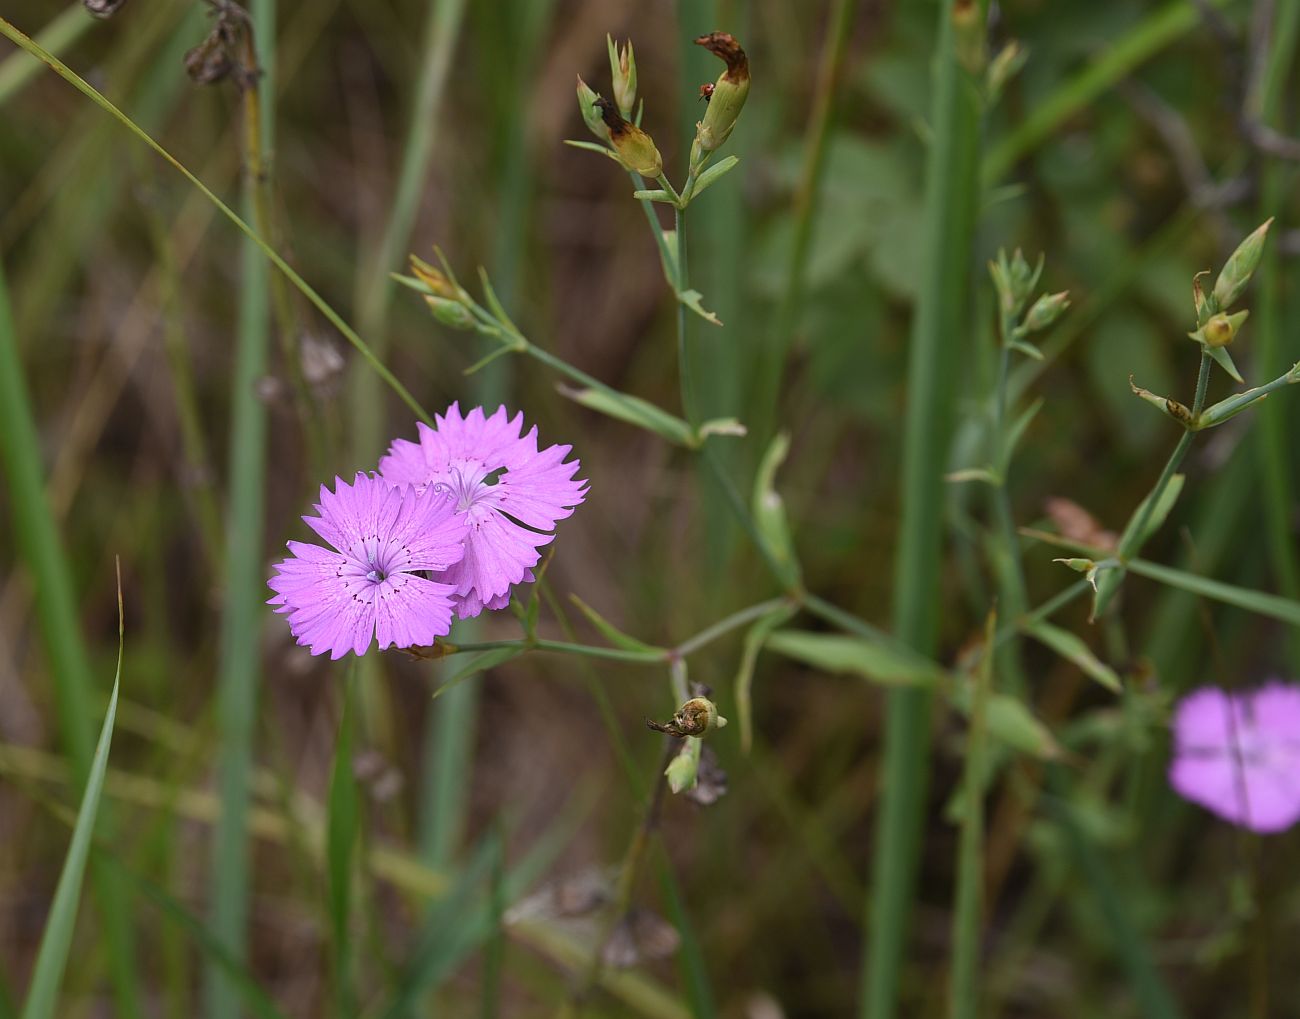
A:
(591, 116)
(636, 149)
(1220, 329)
(729, 91)
(622, 68)
(1005, 66)
(449, 312)
(435, 279)
(1014, 280)
(1240, 266)
(1046, 310)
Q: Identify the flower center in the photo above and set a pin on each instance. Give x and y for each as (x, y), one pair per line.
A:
(466, 483)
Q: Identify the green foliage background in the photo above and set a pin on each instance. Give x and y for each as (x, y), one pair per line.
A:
(1128, 150)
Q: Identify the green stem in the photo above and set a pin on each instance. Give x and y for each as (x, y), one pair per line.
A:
(1014, 595)
(685, 376)
(726, 625)
(939, 324)
(1132, 538)
(238, 665)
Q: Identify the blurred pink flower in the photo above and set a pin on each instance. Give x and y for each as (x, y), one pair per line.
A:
(1238, 754)
(512, 493)
(366, 586)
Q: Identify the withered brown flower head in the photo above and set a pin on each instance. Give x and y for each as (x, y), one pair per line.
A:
(724, 46)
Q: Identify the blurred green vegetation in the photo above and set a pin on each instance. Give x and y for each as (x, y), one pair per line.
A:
(1138, 144)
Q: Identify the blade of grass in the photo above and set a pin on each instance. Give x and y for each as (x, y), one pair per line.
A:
(81, 85)
(948, 221)
(40, 548)
(52, 956)
(1276, 465)
(238, 666)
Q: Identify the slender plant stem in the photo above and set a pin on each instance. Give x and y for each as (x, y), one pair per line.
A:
(685, 376)
(1014, 596)
(1133, 536)
(238, 667)
(938, 325)
(725, 626)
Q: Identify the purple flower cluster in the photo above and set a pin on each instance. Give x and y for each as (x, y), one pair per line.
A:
(1238, 755)
(447, 527)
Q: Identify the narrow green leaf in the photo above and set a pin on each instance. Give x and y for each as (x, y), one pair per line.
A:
(608, 630)
(730, 427)
(1158, 516)
(713, 174)
(1224, 361)
(593, 147)
(753, 644)
(1072, 648)
(1271, 605)
(634, 411)
(1011, 722)
(1018, 428)
(654, 195)
(983, 475)
(494, 302)
(835, 653)
(692, 299)
(52, 956)
(769, 511)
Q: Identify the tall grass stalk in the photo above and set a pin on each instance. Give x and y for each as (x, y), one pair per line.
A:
(937, 328)
(42, 550)
(1275, 353)
(239, 655)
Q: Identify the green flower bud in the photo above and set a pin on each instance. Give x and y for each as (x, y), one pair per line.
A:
(636, 149)
(435, 279)
(1046, 310)
(1220, 329)
(729, 91)
(450, 313)
(591, 116)
(622, 68)
(1014, 280)
(1239, 268)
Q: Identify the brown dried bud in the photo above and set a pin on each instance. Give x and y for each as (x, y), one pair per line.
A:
(636, 149)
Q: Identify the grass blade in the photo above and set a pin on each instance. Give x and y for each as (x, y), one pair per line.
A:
(39, 545)
(938, 328)
(52, 957)
(57, 36)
